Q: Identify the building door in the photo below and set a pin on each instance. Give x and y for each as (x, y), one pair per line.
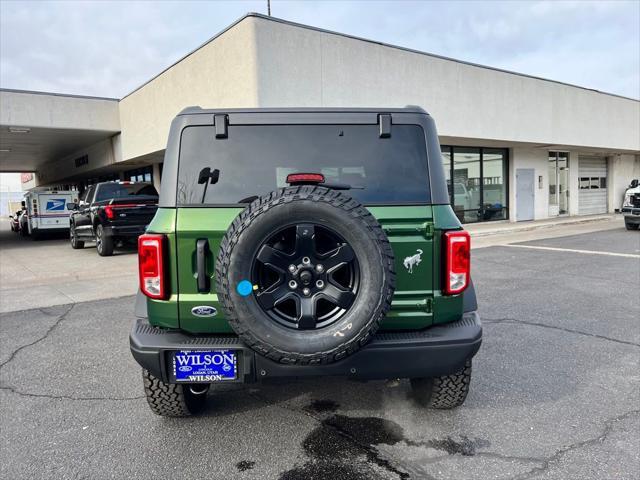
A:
(558, 183)
(525, 193)
(592, 185)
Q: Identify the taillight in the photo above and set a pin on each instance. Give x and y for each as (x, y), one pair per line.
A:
(296, 178)
(151, 264)
(457, 247)
(110, 210)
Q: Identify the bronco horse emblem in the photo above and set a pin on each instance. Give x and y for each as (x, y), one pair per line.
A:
(413, 261)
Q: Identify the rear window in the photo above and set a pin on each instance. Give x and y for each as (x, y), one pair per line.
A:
(119, 190)
(255, 160)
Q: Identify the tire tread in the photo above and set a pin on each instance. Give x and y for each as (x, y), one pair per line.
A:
(165, 399)
(443, 392)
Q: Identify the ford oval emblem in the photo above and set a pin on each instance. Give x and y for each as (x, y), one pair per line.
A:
(185, 368)
(204, 311)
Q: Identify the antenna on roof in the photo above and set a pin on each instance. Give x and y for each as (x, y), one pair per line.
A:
(269, 7)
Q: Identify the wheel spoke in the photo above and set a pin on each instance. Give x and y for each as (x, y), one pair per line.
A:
(338, 257)
(306, 313)
(341, 298)
(273, 296)
(305, 276)
(305, 241)
(274, 258)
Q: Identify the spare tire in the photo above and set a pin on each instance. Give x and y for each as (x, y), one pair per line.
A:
(305, 275)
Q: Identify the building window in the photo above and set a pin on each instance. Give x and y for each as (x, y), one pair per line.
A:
(494, 168)
(478, 191)
(144, 174)
(590, 183)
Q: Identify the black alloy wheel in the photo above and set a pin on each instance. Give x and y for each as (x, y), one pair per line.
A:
(99, 239)
(73, 235)
(309, 276)
(104, 243)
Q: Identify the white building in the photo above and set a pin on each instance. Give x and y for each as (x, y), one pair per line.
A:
(515, 147)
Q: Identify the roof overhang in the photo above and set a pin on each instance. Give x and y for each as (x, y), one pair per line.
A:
(39, 128)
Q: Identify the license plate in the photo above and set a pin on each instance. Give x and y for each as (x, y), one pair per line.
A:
(202, 366)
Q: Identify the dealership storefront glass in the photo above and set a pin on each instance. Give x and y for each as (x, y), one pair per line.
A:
(558, 183)
(478, 191)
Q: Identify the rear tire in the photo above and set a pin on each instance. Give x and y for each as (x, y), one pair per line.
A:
(75, 243)
(104, 242)
(631, 226)
(171, 400)
(444, 392)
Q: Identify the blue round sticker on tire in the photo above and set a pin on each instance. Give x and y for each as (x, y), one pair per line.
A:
(244, 288)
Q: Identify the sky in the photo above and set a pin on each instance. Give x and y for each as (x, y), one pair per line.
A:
(10, 182)
(108, 48)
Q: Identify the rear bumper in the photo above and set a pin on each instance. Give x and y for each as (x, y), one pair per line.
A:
(125, 230)
(439, 350)
(45, 229)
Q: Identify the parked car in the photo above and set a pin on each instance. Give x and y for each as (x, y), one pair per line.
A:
(631, 206)
(14, 221)
(304, 242)
(111, 213)
(461, 196)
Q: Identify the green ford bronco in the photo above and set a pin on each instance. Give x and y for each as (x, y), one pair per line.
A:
(304, 242)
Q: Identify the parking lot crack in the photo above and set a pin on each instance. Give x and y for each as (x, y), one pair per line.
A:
(510, 458)
(67, 397)
(554, 327)
(49, 331)
(609, 426)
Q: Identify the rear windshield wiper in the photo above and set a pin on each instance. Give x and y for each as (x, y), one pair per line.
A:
(341, 186)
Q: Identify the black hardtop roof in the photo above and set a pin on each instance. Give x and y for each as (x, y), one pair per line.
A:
(199, 110)
(197, 116)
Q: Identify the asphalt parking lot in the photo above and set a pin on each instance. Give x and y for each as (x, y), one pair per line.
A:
(555, 392)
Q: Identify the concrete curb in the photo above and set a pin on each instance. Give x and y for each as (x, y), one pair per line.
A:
(529, 226)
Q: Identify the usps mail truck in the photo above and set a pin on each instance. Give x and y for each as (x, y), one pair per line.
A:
(47, 211)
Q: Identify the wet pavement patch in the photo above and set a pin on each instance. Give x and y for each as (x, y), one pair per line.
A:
(334, 447)
(367, 431)
(322, 406)
(326, 470)
(344, 448)
(245, 465)
(466, 446)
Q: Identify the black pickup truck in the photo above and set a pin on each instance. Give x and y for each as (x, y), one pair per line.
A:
(111, 213)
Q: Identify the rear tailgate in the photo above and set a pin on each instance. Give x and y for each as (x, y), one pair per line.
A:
(195, 224)
(409, 229)
(137, 210)
(51, 210)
